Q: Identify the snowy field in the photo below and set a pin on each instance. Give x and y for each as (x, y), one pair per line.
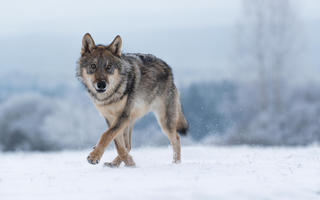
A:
(205, 173)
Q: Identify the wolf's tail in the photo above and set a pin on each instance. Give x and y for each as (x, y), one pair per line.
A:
(182, 124)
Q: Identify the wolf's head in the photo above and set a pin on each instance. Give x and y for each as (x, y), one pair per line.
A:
(100, 67)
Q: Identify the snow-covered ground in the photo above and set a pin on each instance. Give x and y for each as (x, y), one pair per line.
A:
(205, 173)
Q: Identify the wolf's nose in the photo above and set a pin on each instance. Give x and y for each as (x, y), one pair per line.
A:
(101, 85)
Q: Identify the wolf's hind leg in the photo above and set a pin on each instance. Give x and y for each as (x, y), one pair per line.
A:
(175, 142)
(127, 137)
(167, 118)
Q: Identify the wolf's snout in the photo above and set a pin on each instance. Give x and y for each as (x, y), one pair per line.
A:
(101, 86)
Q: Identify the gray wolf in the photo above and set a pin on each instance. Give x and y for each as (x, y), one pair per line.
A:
(124, 87)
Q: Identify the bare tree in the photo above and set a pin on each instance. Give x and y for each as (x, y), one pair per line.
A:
(268, 43)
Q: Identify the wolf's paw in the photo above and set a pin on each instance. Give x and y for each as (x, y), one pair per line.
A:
(129, 162)
(111, 164)
(94, 156)
(176, 161)
(133, 165)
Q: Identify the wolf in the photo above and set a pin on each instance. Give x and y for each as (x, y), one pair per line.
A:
(124, 87)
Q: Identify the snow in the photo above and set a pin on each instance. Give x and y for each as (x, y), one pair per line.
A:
(206, 172)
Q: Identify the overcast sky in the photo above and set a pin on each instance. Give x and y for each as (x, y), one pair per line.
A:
(71, 16)
(192, 36)
(61, 16)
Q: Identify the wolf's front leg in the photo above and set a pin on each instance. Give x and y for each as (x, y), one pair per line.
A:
(123, 153)
(105, 139)
(122, 143)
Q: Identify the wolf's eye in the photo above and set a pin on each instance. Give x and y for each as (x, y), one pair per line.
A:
(108, 67)
(93, 66)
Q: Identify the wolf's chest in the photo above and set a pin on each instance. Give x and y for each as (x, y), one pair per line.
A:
(112, 111)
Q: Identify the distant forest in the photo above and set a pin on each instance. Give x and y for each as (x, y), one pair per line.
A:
(222, 113)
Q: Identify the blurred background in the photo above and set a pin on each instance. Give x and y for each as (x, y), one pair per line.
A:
(247, 70)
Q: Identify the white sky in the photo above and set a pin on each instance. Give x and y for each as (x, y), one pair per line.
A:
(37, 15)
(135, 20)
(30, 16)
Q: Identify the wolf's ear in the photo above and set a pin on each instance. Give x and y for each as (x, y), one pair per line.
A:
(115, 46)
(87, 44)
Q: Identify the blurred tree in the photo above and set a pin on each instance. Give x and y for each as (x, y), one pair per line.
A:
(268, 42)
(204, 107)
